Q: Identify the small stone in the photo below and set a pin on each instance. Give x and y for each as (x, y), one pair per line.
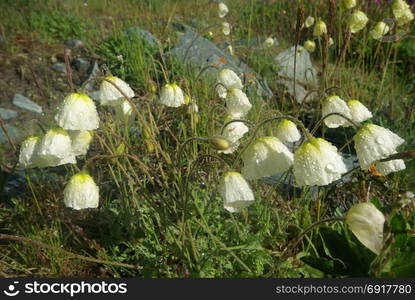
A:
(81, 65)
(13, 133)
(25, 103)
(74, 44)
(7, 114)
(59, 67)
(94, 73)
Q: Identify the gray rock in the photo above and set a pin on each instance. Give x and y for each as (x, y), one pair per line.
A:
(25, 103)
(94, 73)
(82, 65)
(203, 54)
(13, 132)
(14, 185)
(136, 32)
(59, 67)
(74, 44)
(300, 91)
(7, 114)
(305, 72)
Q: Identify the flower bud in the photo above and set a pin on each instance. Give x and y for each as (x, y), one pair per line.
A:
(219, 143)
(310, 46)
(349, 3)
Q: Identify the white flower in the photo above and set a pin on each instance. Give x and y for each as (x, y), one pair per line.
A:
(402, 12)
(235, 192)
(310, 46)
(172, 95)
(358, 111)
(77, 112)
(331, 42)
(237, 103)
(55, 149)
(373, 143)
(269, 42)
(335, 104)
(223, 10)
(366, 222)
(309, 21)
(317, 162)
(319, 29)
(108, 94)
(81, 192)
(226, 28)
(349, 3)
(267, 156)
(379, 30)
(357, 21)
(124, 111)
(287, 131)
(230, 50)
(387, 167)
(233, 133)
(27, 156)
(227, 79)
(81, 139)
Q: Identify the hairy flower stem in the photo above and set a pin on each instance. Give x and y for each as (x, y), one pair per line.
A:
(298, 29)
(332, 114)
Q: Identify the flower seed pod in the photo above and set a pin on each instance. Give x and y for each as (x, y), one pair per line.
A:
(235, 192)
(81, 192)
(366, 222)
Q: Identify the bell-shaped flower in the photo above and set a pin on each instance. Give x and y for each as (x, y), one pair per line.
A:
(237, 103)
(108, 94)
(28, 152)
(390, 166)
(379, 30)
(357, 21)
(222, 10)
(358, 111)
(309, 21)
(317, 162)
(81, 139)
(402, 12)
(226, 28)
(235, 192)
(320, 28)
(233, 132)
(81, 192)
(366, 222)
(287, 132)
(267, 156)
(310, 46)
(334, 104)
(77, 112)
(349, 4)
(171, 95)
(124, 111)
(373, 142)
(227, 79)
(55, 148)
(269, 42)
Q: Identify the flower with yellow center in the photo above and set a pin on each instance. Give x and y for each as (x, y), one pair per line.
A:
(172, 95)
(81, 192)
(287, 132)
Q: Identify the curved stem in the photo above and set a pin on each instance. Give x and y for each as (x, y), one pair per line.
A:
(192, 138)
(235, 120)
(334, 114)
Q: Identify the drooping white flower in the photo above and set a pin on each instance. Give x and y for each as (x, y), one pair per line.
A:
(287, 131)
(235, 192)
(402, 12)
(334, 104)
(108, 94)
(349, 3)
(331, 42)
(269, 42)
(387, 167)
(233, 133)
(226, 28)
(172, 95)
(227, 79)
(309, 21)
(358, 111)
(223, 10)
(77, 112)
(310, 46)
(320, 28)
(317, 162)
(366, 222)
(27, 156)
(55, 149)
(357, 21)
(81, 192)
(230, 50)
(373, 142)
(237, 103)
(265, 157)
(81, 139)
(124, 111)
(379, 30)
